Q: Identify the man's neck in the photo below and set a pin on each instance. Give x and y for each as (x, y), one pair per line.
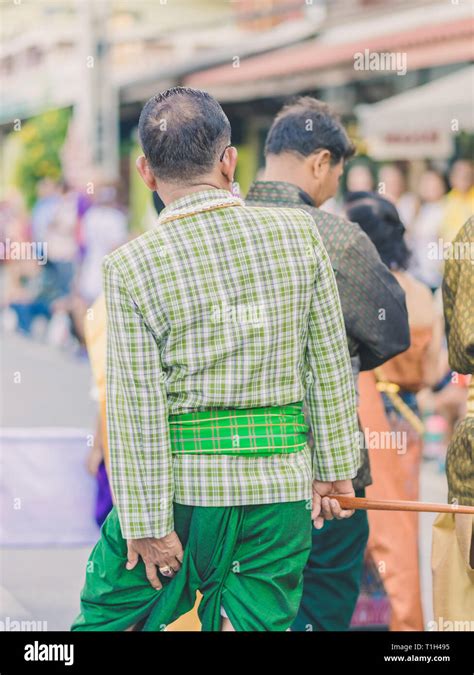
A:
(171, 193)
(281, 175)
(285, 172)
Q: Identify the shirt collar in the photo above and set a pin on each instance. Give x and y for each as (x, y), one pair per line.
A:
(199, 201)
(278, 191)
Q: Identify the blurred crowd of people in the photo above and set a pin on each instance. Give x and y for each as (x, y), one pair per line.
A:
(436, 209)
(47, 296)
(432, 214)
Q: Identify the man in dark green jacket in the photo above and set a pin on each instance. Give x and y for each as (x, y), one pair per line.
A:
(305, 152)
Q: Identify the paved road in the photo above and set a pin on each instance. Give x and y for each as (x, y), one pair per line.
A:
(43, 386)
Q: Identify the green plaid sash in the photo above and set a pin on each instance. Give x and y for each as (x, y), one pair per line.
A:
(255, 432)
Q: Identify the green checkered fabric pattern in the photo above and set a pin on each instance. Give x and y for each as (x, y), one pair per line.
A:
(222, 306)
(254, 432)
(372, 301)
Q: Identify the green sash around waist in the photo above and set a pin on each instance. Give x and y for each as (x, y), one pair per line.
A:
(255, 432)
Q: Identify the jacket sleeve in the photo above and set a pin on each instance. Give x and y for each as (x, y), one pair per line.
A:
(330, 394)
(373, 304)
(137, 416)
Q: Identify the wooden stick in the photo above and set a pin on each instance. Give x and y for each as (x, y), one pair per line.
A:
(399, 505)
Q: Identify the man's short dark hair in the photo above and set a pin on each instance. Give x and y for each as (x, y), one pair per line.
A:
(182, 132)
(306, 125)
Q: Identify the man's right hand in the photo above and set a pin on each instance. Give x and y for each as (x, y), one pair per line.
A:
(165, 553)
(325, 508)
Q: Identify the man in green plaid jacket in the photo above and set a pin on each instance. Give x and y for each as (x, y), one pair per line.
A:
(221, 320)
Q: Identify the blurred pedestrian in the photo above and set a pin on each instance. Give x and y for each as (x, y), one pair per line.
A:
(95, 332)
(425, 230)
(459, 205)
(23, 300)
(60, 236)
(44, 208)
(392, 184)
(104, 228)
(359, 177)
(388, 410)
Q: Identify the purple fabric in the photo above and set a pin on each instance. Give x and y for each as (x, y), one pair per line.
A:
(83, 203)
(103, 503)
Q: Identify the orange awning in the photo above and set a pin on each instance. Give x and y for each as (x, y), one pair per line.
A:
(432, 45)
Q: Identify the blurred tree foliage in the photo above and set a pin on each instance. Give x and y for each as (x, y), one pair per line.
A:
(464, 144)
(41, 138)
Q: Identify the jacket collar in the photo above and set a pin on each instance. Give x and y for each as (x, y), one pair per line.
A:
(278, 192)
(196, 202)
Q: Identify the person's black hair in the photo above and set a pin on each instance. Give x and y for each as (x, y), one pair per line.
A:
(306, 125)
(380, 220)
(182, 132)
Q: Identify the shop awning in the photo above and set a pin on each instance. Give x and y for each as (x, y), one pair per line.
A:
(422, 122)
(321, 63)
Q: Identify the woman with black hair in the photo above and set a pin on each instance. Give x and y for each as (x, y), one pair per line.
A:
(388, 407)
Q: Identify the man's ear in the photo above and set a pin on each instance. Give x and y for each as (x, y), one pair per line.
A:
(229, 162)
(321, 162)
(146, 173)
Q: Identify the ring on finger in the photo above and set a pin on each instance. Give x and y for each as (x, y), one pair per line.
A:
(166, 571)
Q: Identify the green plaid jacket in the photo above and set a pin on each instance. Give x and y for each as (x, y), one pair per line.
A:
(222, 306)
(372, 301)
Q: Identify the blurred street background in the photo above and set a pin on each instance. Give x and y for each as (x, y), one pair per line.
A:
(74, 77)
